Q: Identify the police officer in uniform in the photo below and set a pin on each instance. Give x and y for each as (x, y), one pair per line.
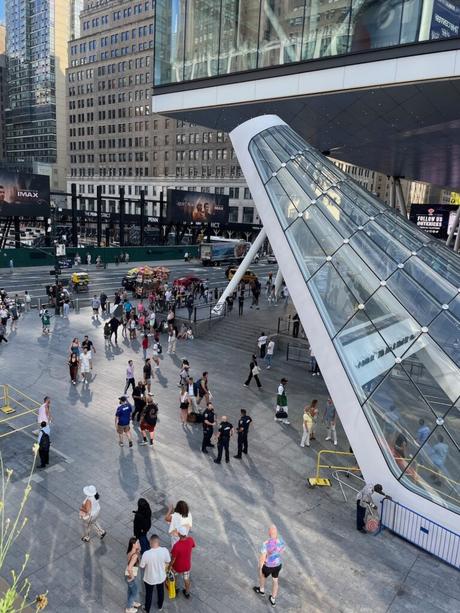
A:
(243, 427)
(224, 433)
(208, 427)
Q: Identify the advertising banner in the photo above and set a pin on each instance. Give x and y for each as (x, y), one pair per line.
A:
(24, 195)
(199, 207)
(436, 219)
(445, 20)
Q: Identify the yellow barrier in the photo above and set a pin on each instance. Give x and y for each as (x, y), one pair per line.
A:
(317, 480)
(15, 407)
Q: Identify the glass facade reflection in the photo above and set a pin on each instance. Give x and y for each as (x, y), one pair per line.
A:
(389, 297)
(203, 38)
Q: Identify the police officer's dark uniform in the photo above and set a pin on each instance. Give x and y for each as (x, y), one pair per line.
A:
(208, 416)
(225, 432)
(243, 427)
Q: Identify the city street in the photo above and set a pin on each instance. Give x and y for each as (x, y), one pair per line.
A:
(35, 280)
(328, 565)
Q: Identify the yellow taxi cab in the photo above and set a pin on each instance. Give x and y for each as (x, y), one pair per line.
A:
(79, 280)
(248, 276)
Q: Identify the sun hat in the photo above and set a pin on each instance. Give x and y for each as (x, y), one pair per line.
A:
(89, 490)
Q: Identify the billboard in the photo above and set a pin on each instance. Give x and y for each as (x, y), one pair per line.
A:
(199, 207)
(445, 20)
(24, 195)
(436, 219)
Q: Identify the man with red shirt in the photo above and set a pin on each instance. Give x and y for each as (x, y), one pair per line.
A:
(181, 555)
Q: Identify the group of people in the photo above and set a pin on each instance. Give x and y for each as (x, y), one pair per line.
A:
(11, 309)
(310, 421)
(80, 359)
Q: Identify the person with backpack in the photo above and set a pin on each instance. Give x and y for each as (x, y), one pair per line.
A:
(149, 420)
(202, 388)
(44, 444)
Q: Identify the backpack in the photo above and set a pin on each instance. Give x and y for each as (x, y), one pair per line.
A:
(45, 442)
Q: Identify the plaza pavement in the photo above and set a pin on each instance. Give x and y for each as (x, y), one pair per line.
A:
(328, 565)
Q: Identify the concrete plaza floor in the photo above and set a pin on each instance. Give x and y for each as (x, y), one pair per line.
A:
(328, 565)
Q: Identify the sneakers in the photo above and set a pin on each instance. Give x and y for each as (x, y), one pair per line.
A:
(185, 593)
(237, 456)
(120, 443)
(85, 539)
(287, 422)
(137, 604)
(130, 443)
(142, 443)
(272, 601)
(103, 534)
(216, 461)
(131, 610)
(257, 590)
(328, 438)
(335, 443)
(302, 445)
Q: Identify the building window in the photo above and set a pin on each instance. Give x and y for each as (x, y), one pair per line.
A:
(248, 214)
(233, 214)
(234, 192)
(247, 194)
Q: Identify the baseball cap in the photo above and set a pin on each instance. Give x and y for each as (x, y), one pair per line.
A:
(122, 398)
(182, 531)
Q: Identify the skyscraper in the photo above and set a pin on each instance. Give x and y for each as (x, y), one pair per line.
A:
(2, 91)
(37, 35)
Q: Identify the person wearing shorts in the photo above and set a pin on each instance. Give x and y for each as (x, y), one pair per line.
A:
(181, 558)
(122, 419)
(270, 564)
(147, 370)
(149, 420)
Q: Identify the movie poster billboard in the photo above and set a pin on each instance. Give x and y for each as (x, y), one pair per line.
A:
(436, 219)
(200, 207)
(445, 19)
(24, 195)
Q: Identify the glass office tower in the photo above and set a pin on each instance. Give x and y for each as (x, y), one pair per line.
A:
(204, 38)
(388, 300)
(37, 35)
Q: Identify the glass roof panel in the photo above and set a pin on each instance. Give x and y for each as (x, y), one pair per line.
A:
(381, 264)
(336, 217)
(332, 297)
(359, 279)
(438, 287)
(413, 297)
(286, 209)
(306, 248)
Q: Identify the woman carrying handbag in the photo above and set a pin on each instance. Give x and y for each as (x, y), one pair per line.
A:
(254, 371)
(131, 572)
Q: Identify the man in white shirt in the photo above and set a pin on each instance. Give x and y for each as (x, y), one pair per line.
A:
(154, 564)
(85, 366)
(262, 344)
(270, 352)
(44, 412)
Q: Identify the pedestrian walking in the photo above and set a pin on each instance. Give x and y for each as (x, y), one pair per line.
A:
(27, 301)
(364, 503)
(208, 427)
(66, 308)
(74, 365)
(131, 575)
(243, 428)
(224, 433)
(172, 339)
(282, 410)
(191, 395)
(241, 303)
(90, 347)
(149, 420)
(184, 405)
(130, 379)
(139, 401)
(103, 302)
(254, 371)
(314, 416)
(14, 314)
(270, 564)
(177, 517)
(46, 320)
(85, 366)
(95, 305)
(270, 352)
(156, 351)
(142, 523)
(44, 411)
(114, 325)
(330, 419)
(203, 388)
(147, 370)
(3, 333)
(307, 425)
(314, 364)
(262, 344)
(89, 513)
(145, 345)
(154, 563)
(44, 444)
(181, 559)
(122, 419)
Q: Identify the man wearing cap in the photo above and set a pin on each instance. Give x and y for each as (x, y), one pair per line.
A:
(181, 558)
(122, 419)
(149, 419)
(224, 432)
(243, 428)
(364, 501)
(281, 402)
(89, 512)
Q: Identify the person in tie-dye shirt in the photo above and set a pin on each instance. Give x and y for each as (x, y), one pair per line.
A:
(270, 563)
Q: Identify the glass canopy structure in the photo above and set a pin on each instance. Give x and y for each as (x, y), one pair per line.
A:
(196, 39)
(389, 300)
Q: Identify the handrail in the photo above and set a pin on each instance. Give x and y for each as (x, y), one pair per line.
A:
(335, 475)
(332, 466)
(7, 401)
